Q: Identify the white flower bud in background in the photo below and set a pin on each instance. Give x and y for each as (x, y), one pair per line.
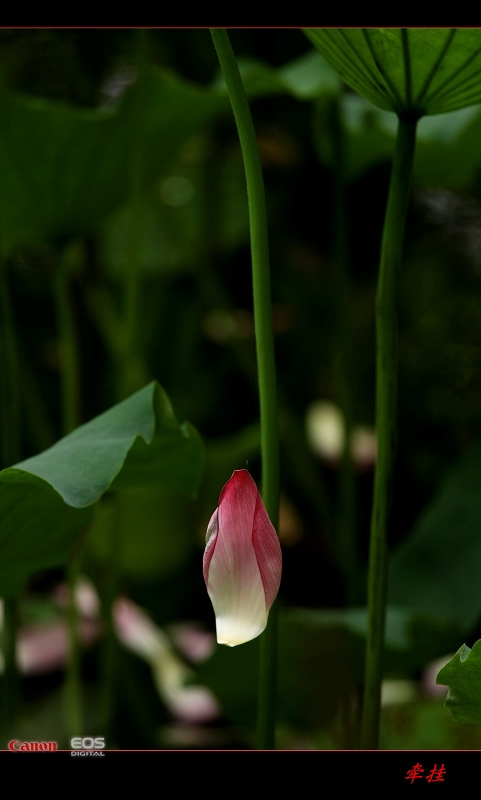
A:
(326, 436)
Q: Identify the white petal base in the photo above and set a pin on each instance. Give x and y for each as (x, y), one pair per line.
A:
(238, 631)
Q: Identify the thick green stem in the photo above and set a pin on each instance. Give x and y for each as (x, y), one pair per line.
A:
(265, 358)
(70, 410)
(347, 549)
(386, 380)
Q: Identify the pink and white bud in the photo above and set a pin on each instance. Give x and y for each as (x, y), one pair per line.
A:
(242, 561)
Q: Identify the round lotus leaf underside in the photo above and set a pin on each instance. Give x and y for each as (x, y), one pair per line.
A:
(412, 72)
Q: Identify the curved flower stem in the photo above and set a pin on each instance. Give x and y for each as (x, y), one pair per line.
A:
(265, 359)
(386, 384)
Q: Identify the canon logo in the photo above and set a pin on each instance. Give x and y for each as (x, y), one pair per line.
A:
(15, 745)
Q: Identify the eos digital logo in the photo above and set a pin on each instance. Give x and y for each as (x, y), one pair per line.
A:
(87, 746)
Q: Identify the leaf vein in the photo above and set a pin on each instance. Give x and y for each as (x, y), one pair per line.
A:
(430, 76)
(454, 74)
(389, 83)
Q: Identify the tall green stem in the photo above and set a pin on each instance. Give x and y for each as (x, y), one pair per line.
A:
(265, 359)
(386, 385)
(70, 410)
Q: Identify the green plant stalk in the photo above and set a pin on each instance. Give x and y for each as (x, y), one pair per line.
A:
(265, 360)
(386, 387)
(70, 410)
(347, 550)
(10, 454)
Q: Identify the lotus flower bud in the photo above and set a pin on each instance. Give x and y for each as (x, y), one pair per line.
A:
(242, 561)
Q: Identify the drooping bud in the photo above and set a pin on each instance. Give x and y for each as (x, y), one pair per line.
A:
(242, 561)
